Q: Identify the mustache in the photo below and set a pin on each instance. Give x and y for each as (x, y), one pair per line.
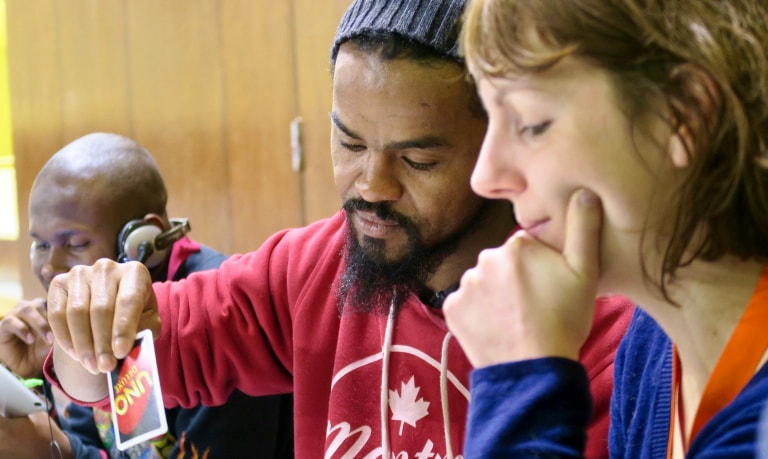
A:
(381, 209)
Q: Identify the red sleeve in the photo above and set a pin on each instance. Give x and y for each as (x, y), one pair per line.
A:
(233, 327)
(226, 329)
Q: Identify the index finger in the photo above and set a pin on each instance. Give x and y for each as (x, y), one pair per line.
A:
(58, 296)
(582, 235)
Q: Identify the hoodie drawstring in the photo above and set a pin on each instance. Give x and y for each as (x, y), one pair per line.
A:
(444, 395)
(385, 352)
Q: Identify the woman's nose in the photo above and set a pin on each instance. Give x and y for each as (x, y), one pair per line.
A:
(496, 176)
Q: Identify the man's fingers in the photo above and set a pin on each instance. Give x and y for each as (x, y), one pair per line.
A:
(57, 313)
(101, 314)
(95, 311)
(27, 322)
(133, 297)
(79, 319)
(35, 318)
(582, 234)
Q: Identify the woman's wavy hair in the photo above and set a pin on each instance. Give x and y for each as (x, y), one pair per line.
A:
(722, 205)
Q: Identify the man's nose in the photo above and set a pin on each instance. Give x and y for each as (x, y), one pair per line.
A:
(378, 181)
(54, 263)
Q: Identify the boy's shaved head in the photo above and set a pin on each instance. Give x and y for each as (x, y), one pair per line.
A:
(108, 172)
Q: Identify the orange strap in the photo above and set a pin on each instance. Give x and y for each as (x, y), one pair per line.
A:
(735, 367)
(674, 399)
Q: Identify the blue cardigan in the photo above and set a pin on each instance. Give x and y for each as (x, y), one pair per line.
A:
(540, 408)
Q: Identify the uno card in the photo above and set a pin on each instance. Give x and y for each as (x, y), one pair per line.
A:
(138, 414)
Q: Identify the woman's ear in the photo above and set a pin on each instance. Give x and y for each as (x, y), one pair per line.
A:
(696, 102)
(680, 147)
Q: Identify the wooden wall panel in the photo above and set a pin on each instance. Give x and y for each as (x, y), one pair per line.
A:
(177, 98)
(35, 84)
(93, 68)
(208, 86)
(315, 26)
(259, 104)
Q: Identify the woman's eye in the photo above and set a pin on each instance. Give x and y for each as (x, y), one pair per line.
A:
(352, 147)
(536, 129)
(419, 166)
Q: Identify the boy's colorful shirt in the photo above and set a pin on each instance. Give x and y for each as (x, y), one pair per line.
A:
(159, 448)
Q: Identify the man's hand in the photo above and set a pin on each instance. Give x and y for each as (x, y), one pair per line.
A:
(25, 338)
(526, 300)
(94, 313)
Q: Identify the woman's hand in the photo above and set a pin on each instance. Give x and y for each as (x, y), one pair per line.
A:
(525, 300)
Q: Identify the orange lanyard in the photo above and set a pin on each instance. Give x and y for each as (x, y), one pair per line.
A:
(735, 367)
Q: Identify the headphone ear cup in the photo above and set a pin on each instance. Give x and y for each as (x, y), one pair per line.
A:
(122, 255)
(132, 236)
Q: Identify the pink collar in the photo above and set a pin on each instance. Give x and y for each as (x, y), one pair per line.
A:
(180, 251)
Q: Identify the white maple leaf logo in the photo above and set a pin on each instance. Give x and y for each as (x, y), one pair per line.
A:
(405, 407)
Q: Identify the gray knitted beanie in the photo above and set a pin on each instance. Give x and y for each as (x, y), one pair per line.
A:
(431, 23)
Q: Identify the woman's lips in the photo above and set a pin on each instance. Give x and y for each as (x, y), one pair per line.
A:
(535, 228)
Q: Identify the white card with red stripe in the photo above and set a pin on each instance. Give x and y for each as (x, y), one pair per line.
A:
(138, 414)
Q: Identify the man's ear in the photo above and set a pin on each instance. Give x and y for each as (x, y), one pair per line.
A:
(696, 109)
(157, 220)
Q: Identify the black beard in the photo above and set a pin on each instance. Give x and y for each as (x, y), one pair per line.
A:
(370, 283)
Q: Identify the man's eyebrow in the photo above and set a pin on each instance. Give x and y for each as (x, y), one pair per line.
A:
(428, 141)
(343, 128)
(423, 143)
(59, 234)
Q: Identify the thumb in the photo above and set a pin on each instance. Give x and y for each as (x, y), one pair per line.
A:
(582, 234)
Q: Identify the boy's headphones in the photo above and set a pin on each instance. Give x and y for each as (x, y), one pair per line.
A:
(143, 241)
